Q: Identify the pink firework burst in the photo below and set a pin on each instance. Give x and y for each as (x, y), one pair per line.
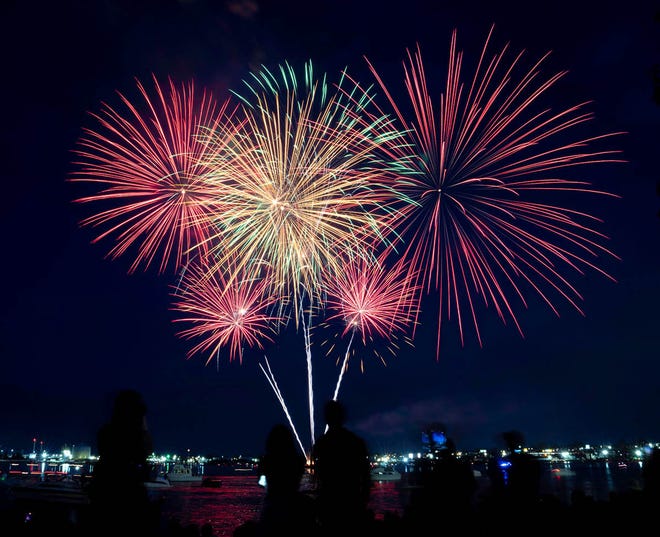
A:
(150, 162)
(373, 301)
(488, 183)
(224, 311)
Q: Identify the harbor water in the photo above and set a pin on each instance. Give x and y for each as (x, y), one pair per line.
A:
(239, 497)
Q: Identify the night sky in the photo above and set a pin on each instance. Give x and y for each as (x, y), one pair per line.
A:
(76, 327)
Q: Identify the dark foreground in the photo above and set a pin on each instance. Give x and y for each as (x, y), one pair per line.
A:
(427, 514)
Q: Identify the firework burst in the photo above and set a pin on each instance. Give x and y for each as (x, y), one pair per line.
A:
(147, 160)
(372, 300)
(308, 198)
(301, 191)
(224, 311)
(375, 304)
(477, 176)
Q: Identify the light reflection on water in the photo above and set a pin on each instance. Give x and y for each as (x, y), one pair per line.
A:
(595, 479)
(239, 499)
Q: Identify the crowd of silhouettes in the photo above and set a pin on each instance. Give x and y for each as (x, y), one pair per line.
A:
(443, 490)
(341, 475)
(444, 493)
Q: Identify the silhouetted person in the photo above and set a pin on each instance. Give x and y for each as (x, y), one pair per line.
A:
(445, 492)
(286, 510)
(523, 475)
(495, 475)
(118, 497)
(454, 482)
(342, 473)
(651, 487)
(651, 476)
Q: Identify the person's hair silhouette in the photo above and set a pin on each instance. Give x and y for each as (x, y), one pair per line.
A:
(334, 413)
(285, 510)
(523, 475)
(118, 494)
(282, 463)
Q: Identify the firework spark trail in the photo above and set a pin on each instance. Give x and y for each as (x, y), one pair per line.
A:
(373, 301)
(471, 229)
(306, 328)
(302, 190)
(344, 368)
(270, 377)
(148, 163)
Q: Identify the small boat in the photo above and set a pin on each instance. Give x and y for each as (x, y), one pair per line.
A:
(212, 482)
(384, 473)
(157, 482)
(562, 472)
(183, 473)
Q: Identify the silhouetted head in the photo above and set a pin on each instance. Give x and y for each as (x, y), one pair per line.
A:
(129, 407)
(280, 440)
(514, 439)
(335, 413)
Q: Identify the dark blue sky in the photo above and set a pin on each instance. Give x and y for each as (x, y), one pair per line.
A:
(76, 327)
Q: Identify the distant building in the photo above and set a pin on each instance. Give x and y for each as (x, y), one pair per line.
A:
(82, 452)
(77, 452)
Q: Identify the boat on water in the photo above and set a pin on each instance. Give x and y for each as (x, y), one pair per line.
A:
(385, 473)
(65, 490)
(157, 482)
(211, 482)
(183, 473)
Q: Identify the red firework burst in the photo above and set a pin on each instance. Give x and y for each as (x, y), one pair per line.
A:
(372, 300)
(477, 176)
(150, 163)
(224, 311)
